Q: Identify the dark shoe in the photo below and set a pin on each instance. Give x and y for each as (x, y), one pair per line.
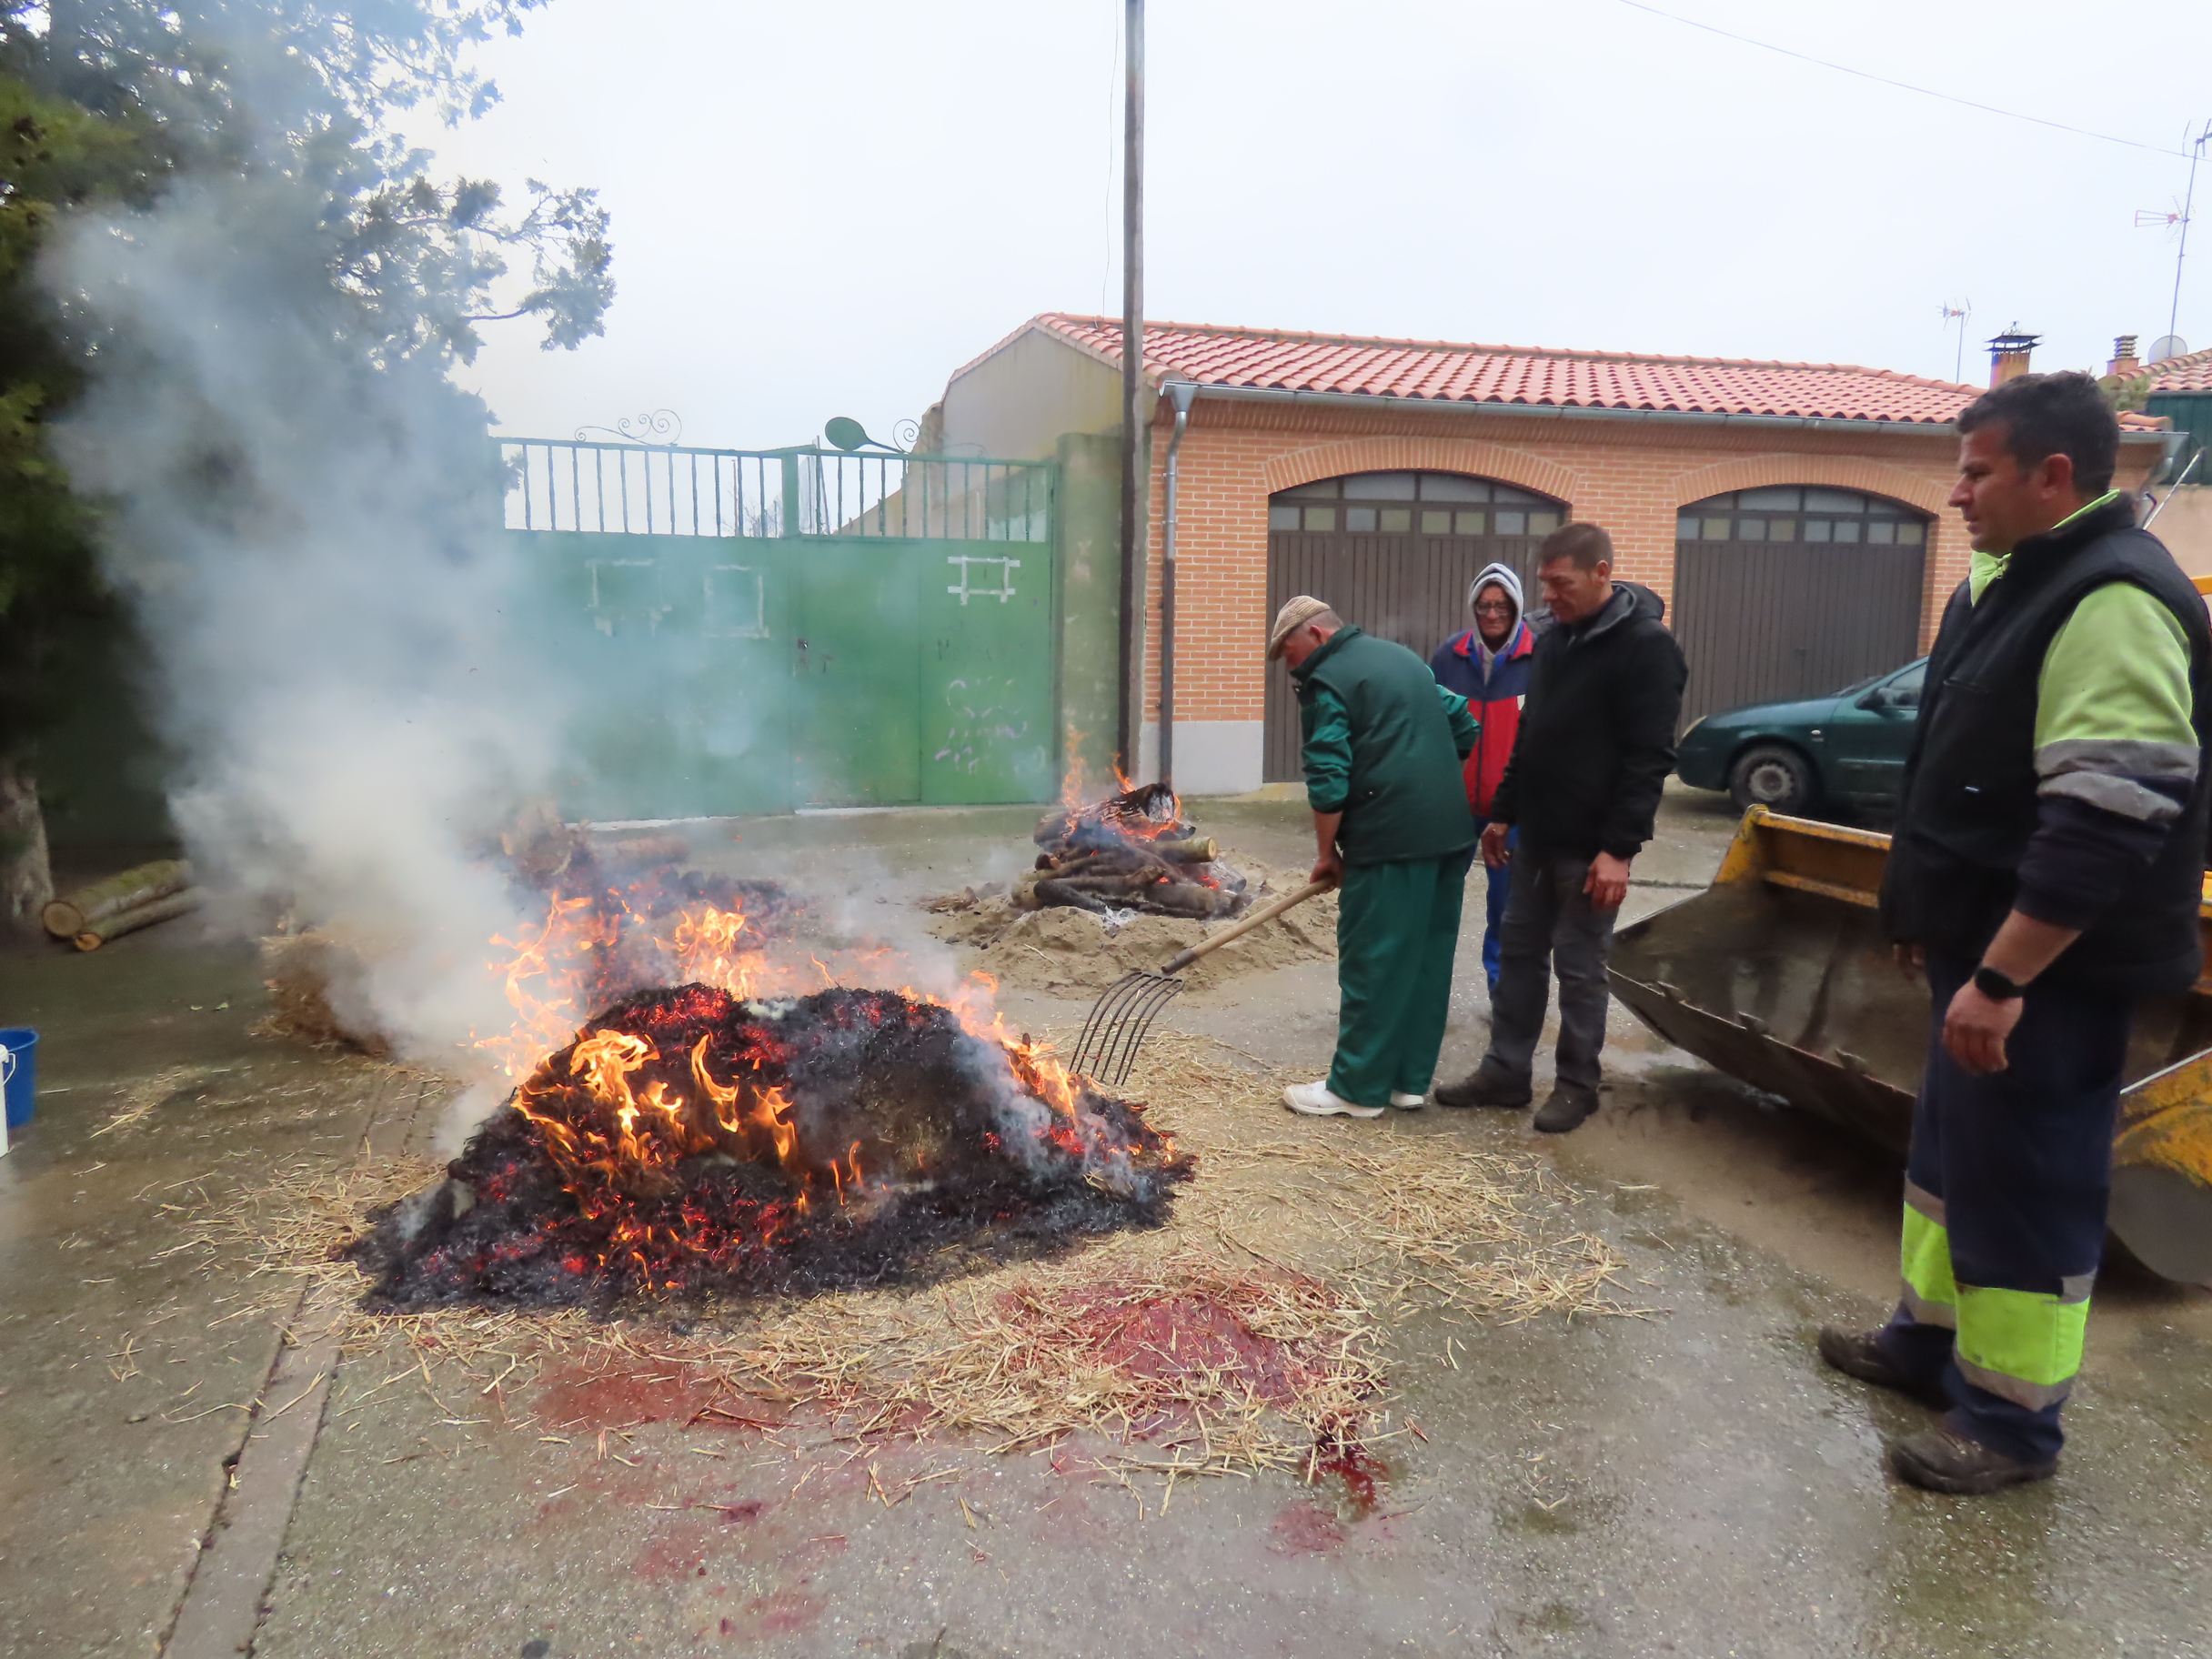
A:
(1486, 1085)
(1565, 1111)
(1944, 1460)
(1859, 1354)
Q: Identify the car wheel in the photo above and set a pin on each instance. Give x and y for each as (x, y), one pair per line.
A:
(1771, 775)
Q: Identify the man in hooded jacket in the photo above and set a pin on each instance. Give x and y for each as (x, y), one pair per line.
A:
(1488, 665)
(1593, 750)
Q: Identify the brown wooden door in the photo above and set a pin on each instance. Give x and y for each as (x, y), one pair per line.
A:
(1765, 621)
(1410, 588)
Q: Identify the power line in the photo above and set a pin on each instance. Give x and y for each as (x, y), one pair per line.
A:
(1925, 92)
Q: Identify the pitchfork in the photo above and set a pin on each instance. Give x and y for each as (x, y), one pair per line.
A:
(1123, 1018)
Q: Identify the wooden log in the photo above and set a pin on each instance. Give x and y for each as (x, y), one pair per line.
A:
(142, 916)
(1184, 899)
(1198, 850)
(73, 913)
(1059, 894)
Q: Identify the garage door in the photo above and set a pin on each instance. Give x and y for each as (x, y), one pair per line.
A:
(1794, 592)
(1394, 552)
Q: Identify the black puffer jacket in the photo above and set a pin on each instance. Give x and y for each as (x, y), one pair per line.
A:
(1597, 734)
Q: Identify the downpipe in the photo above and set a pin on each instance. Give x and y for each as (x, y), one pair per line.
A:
(1181, 392)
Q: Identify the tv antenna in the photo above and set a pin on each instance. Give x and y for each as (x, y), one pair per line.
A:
(1958, 313)
(2178, 221)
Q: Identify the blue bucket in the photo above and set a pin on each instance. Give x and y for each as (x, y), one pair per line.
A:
(19, 1073)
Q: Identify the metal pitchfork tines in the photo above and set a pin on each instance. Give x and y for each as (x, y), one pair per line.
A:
(1122, 1016)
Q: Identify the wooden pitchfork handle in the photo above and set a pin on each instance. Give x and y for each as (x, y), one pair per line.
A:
(1237, 929)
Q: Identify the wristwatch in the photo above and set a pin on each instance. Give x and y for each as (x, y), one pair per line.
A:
(1996, 986)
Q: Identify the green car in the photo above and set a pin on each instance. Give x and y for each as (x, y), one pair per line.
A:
(1843, 752)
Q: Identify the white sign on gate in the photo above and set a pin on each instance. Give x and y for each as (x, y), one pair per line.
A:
(966, 588)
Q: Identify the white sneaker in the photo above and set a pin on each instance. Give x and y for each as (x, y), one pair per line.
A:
(1315, 1101)
(1407, 1102)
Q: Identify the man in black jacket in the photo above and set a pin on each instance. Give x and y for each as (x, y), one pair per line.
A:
(1596, 746)
(2047, 861)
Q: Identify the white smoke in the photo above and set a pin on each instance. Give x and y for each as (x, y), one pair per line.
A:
(312, 549)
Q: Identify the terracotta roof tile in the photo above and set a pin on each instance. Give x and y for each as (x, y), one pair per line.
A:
(1446, 371)
(2192, 373)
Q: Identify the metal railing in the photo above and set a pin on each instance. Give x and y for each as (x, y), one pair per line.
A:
(633, 489)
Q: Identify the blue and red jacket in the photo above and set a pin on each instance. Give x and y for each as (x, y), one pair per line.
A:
(1458, 667)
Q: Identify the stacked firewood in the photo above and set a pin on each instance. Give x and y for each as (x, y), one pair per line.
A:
(136, 899)
(1132, 852)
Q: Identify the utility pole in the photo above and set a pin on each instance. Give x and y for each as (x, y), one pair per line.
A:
(1135, 417)
(2196, 151)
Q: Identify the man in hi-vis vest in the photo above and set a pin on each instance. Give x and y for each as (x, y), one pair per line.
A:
(2045, 870)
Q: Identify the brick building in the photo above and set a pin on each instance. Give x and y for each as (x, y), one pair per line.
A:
(1791, 514)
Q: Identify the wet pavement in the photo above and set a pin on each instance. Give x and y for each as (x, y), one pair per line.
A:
(1686, 1483)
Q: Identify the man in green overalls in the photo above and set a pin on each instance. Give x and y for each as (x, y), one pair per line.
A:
(1383, 747)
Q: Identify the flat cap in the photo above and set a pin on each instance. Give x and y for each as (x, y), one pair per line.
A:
(1294, 615)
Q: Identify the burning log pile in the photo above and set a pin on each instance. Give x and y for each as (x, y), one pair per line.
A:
(619, 914)
(1132, 852)
(694, 1142)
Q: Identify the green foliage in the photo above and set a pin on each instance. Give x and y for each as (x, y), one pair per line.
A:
(105, 104)
(2126, 393)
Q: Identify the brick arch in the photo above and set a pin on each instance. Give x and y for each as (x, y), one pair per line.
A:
(1470, 456)
(1835, 472)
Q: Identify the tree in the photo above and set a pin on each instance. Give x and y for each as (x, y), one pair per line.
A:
(112, 103)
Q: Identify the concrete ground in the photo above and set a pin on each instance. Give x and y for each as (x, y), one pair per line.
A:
(174, 1477)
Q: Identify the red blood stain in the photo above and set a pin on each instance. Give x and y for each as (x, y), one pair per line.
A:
(1362, 1473)
(1306, 1529)
(780, 1612)
(577, 1398)
(1166, 1337)
(681, 1554)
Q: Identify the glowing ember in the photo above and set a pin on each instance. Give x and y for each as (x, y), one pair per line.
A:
(691, 1141)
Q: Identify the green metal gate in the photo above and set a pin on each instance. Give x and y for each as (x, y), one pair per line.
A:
(754, 631)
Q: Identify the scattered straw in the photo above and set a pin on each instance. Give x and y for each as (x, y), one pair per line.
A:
(1254, 1331)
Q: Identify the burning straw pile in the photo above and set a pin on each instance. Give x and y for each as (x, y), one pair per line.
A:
(1254, 1329)
(619, 913)
(689, 1142)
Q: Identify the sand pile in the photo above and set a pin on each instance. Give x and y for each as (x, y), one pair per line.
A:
(1075, 951)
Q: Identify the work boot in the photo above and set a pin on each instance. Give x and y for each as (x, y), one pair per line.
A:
(1565, 1111)
(1860, 1353)
(1944, 1460)
(1486, 1085)
(1315, 1100)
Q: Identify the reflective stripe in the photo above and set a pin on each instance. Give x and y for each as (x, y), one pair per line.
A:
(2119, 757)
(2033, 1396)
(2117, 796)
(1926, 1202)
(1926, 1312)
(2024, 1346)
(1925, 1258)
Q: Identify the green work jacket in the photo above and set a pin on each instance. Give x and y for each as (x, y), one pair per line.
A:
(1384, 743)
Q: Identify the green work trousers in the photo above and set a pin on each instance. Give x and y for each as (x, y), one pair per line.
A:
(1397, 930)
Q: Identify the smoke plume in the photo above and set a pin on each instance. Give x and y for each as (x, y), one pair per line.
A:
(310, 539)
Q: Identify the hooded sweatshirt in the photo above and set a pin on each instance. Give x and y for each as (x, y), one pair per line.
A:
(1493, 683)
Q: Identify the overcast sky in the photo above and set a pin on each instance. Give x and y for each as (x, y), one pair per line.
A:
(825, 209)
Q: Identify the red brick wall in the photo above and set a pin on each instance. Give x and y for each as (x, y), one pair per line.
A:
(1629, 476)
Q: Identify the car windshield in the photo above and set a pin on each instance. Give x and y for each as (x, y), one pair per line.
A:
(1858, 686)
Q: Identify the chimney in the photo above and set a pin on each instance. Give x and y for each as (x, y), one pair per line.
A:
(2124, 362)
(2008, 355)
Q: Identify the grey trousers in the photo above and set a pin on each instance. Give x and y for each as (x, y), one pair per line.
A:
(1550, 924)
